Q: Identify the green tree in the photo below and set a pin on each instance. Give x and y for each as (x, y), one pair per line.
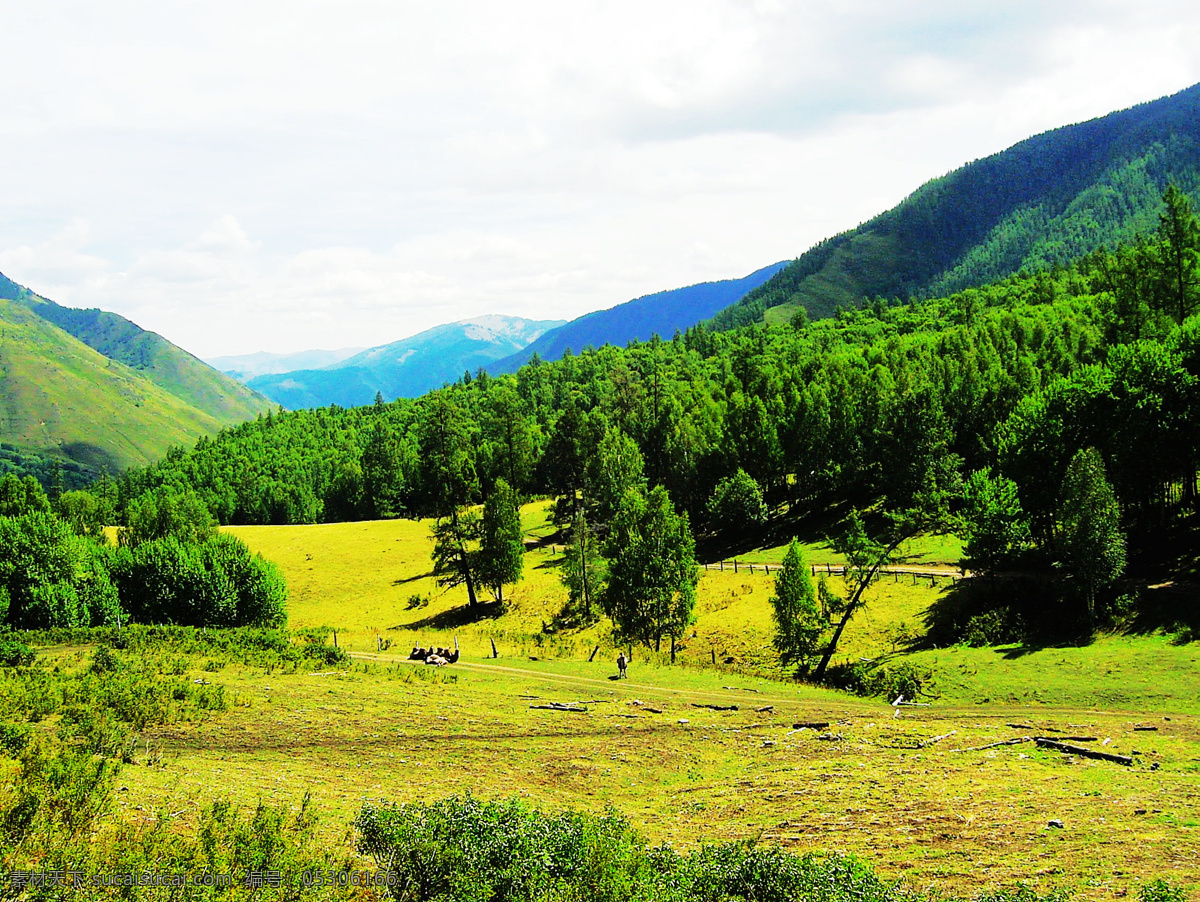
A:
(993, 523)
(1179, 254)
(52, 577)
(382, 473)
(798, 621)
(511, 435)
(456, 552)
(166, 512)
(583, 570)
(450, 483)
(501, 542)
(22, 495)
(614, 468)
(1091, 542)
(651, 589)
(736, 504)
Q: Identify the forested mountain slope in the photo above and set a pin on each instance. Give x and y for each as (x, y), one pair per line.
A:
(60, 398)
(662, 313)
(1039, 204)
(166, 365)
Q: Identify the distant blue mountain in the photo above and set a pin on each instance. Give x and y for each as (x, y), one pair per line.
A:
(655, 314)
(405, 368)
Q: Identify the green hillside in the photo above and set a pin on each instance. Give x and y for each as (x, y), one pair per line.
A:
(166, 365)
(59, 397)
(1042, 203)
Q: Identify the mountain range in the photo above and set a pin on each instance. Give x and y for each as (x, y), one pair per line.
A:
(405, 368)
(1043, 202)
(91, 387)
(498, 344)
(94, 389)
(245, 367)
(662, 313)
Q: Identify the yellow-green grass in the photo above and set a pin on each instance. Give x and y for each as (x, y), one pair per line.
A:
(360, 578)
(939, 816)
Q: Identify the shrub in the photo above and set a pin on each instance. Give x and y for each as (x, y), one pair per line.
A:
(14, 653)
(736, 504)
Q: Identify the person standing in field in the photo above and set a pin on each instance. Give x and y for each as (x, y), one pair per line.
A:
(622, 663)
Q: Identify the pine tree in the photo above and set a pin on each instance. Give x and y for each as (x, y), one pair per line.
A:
(1092, 544)
(798, 622)
(651, 589)
(583, 570)
(1179, 234)
(501, 542)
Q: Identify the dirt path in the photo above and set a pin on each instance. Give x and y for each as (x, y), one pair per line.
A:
(744, 698)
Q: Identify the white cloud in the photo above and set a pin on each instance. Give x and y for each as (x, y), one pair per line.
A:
(275, 176)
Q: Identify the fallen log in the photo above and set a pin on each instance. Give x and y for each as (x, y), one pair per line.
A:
(715, 707)
(1045, 743)
(740, 689)
(811, 725)
(992, 745)
(1145, 729)
(928, 742)
(765, 708)
(559, 706)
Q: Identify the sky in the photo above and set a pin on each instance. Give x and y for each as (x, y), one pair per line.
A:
(269, 176)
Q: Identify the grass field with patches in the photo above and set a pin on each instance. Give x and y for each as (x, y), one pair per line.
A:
(918, 795)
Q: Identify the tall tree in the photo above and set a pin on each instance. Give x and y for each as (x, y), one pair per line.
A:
(993, 523)
(501, 542)
(382, 473)
(1179, 250)
(450, 483)
(798, 621)
(510, 433)
(1092, 544)
(651, 589)
(583, 569)
(614, 468)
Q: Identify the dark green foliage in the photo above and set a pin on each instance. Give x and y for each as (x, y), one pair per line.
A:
(1178, 255)
(736, 504)
(22, 462)
(166, 512)
(887, 681)
(20, 496)
(1092, 544)
(993, 524)
(14, 652)
(501, 541)
(217, 582)
(465, 849)
(799, 623)
(652, 574)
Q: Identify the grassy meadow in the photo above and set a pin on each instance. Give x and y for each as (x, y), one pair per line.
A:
(919, 794)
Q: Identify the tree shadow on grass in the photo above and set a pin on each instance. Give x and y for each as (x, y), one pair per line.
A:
(411, 579)
(460, 616)
(1016, 615)
(808, 527)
